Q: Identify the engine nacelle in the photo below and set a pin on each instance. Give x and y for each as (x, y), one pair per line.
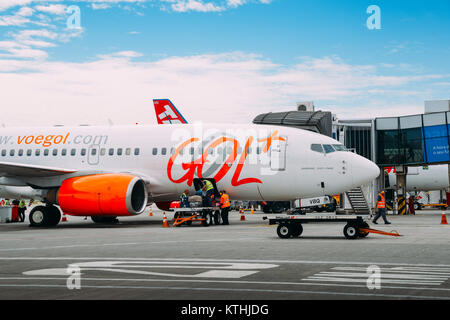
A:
(103, 195)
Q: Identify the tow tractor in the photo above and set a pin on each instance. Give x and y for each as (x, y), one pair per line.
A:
(355, 227)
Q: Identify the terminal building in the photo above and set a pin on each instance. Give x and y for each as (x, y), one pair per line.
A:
(410, 141)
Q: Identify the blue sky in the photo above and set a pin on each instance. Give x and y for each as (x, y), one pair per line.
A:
(285, 49)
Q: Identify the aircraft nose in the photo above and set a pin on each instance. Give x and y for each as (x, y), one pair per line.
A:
(364, 171)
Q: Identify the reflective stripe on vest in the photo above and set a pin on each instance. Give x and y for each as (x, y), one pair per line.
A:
(225, 201)
(382, 203)
(208, 185)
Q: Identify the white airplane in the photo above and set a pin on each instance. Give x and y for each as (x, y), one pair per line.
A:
(116, 171)
(429, 178)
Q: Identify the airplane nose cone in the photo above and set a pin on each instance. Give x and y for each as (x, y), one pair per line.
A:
(364, 171)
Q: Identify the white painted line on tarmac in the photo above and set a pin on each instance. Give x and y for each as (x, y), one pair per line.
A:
(233, 260)
(230, 289)
(349, 280)
(128, 244)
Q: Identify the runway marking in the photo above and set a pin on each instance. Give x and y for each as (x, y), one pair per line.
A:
(395, 275)
(216, 270)
(236, 260)
(233, 290)
(128, 244)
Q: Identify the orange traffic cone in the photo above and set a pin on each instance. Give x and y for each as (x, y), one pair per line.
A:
(253, 210)
(150, 214)
(241, 211)
(64, 218)
(165, 222)
(444, 218)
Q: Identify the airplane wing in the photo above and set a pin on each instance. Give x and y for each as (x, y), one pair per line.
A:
(8, 169)
(167, 113)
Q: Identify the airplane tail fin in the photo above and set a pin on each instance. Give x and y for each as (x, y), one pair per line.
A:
(167, 113)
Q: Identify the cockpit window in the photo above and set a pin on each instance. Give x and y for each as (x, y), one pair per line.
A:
(339, 147)
(317, 148)
(328, 148)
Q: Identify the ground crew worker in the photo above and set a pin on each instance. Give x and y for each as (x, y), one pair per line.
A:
(21, 210)
(184, 199)
(225, 205)
(381, 208)
(209, 191)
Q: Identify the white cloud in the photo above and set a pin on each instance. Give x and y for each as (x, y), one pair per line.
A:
(237, 86)
(194, 5)
(25, 12)
(56, 9)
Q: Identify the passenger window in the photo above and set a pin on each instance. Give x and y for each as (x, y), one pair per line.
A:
(38, 152)
(93, 152)
(73, 152)
(328, 148)
(63, 152)
(55, 152)
(20, 152)
(111, 151)
(317, 148)
(102, 151)
(11, 153)
(258, 150)
(29, 152)
(155, 151)
(128, 151)
(136, 151)
(172, 151)
(163, 151)
(3, 153)
(119, 151)
(46, 152)
(83, 152)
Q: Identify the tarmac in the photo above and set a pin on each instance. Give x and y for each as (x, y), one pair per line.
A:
(139, 259)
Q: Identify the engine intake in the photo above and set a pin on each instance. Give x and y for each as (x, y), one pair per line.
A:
(103, 195)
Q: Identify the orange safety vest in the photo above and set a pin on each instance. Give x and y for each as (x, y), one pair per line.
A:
(225, 201)
(382, 203)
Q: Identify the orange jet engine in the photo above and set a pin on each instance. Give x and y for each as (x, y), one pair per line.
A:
(103, 195)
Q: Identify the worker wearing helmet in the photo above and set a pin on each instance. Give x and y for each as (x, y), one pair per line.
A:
(381, 208)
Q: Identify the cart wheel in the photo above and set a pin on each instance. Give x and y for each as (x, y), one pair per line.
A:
(351, 231)
(208, 219)
(297, 230)
(284, 230)
(363, 234)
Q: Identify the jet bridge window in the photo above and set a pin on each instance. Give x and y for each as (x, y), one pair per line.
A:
(328, 148)
(317, 148)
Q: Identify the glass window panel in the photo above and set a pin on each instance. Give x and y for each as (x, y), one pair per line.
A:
(328, 148)
(411, 122)
(437, 150)
(119, 151)
(388, 147)
(317, 148)
(387, 123)
(434, 119)
(435, 131)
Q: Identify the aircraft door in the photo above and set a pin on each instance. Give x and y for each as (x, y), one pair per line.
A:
(278, 154)
(93, 154)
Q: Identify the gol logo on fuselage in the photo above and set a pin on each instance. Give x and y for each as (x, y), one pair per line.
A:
(196, 167)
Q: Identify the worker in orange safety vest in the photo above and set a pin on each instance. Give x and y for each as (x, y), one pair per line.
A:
(225, 205)
(381, 208)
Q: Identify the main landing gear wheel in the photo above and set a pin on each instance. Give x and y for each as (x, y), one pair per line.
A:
(284, 231)
(351, 231)
(44, 216)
